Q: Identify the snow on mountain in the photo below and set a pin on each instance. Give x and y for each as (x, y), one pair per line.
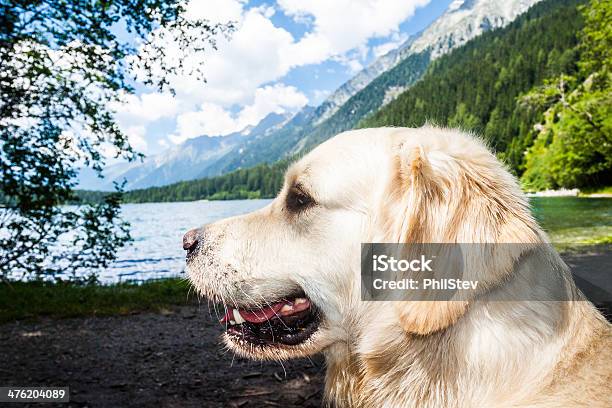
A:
(466, 19)
(361, 80)
(462, 21)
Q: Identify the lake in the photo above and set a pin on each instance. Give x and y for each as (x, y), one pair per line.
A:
(158, 228)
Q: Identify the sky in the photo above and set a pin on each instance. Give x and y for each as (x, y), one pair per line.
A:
(283, 55)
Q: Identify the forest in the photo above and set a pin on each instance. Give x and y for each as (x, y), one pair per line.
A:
(263, 181)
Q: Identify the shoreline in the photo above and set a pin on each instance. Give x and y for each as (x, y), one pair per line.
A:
(569, 193)
(544, 193)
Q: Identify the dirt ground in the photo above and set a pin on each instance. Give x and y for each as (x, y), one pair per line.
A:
(175, 359)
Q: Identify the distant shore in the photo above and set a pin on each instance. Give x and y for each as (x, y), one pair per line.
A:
(604, 193)
(97, 196)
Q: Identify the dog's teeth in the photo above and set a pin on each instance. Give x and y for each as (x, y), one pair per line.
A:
(232, 322)
(297, 301)
(286, 308)
(238, 317)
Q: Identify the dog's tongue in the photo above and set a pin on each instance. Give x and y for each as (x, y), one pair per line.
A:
(258, 316)
(284, 308)
(255, 316)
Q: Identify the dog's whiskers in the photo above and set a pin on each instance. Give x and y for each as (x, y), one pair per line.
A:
(276, 314)
(261, 310)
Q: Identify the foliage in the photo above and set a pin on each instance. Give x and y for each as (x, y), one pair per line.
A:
(603, 190)
(476, 86)
(27, 300)
(61, 65)
(573, 144)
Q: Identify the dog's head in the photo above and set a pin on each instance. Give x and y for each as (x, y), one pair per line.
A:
(288, 274)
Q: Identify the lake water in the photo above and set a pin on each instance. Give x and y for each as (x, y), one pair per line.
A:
(158, 229)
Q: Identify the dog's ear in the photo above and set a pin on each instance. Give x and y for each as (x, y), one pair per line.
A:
(446, 198)
(422, 192)
(466, 197)
(418, 190)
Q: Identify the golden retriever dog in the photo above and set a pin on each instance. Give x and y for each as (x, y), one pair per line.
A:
(289, 277)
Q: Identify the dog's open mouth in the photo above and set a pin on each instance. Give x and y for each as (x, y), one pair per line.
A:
(290, 321)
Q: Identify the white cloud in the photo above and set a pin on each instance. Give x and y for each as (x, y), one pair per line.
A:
(343, 25)
(136, 137)
(266, 11)
(260, 53)
(212, 119)
(216, 11)
(277, 98)
(136, 112)
(147, 107)
(351, 61)
(244, 71)
(319, 95)
(354, 66)
(254, 56)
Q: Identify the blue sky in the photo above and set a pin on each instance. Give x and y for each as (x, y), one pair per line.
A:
(284, 54)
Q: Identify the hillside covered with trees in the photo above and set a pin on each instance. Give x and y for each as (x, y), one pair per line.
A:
(544, 79)
(369, 99)
(263, 181)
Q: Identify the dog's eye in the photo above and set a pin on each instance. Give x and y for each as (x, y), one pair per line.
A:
(298, 200)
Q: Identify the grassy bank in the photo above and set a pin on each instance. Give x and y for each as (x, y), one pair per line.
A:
(600, 191)
(26, 300)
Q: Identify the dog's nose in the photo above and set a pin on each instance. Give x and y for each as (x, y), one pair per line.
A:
(190, 240)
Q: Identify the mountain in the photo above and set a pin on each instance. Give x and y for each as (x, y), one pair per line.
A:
(466, 19)
(372, 88)
(477, 86)
(266, 148)
(191, 159)
(379, 83)
(362, 79)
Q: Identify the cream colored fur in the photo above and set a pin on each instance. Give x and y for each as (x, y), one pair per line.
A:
(412, 185)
